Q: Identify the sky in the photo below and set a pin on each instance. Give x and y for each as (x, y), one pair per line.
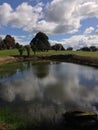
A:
(73, 23)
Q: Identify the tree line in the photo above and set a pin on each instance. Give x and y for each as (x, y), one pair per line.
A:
(39, 43)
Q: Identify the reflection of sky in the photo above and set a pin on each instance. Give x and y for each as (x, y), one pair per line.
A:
(74, 86)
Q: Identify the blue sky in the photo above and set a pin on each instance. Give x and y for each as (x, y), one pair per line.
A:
(73, 23)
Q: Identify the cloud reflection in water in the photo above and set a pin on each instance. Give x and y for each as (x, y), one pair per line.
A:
(65, 84)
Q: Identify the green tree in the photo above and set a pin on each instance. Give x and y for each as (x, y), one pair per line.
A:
(21, 49)
(1, 43)
(34, 49)
(58, 47)
(69, 48)
(17, 45)
(27, 47)
(40, 42)
(9, 41)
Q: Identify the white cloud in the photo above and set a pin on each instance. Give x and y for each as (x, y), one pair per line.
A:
(97, 32)
(56, 17)
(89, 30)
(22, 16)
(5, 13)
(88, 9)
(43, 26)
(26, 15)
(21, 39)
(60, 12)
(68, 14)
(78, 41)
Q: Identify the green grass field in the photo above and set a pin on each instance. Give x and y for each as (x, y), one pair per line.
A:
(4, 53)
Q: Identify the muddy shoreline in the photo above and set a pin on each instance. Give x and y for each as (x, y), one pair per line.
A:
(7, 59)
(72, 58)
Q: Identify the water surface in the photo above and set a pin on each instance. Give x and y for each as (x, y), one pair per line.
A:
(50, 87)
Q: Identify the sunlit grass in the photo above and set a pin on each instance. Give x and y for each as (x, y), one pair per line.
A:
(4, 53)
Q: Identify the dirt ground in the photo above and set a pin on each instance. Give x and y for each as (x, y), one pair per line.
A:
(7, 59)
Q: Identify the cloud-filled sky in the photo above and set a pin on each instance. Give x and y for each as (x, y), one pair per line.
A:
(70, 22)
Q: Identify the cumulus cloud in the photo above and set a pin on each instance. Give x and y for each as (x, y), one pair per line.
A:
(97, 32)
(54, 17)
(88, 9)
(89, 30)
(5, 13)
(78, 41)
(22, 39)
(68, 14)
(22, 16)
(57, 16)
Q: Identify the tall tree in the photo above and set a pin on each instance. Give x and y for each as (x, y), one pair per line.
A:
(17, 45)
(27, 47)
(21, 49)
(1, 46)
(40, 42)
(9, 41)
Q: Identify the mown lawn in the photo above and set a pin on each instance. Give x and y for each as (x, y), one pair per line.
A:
(4, 53)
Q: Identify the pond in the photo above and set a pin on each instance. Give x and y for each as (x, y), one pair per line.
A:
(49, 88)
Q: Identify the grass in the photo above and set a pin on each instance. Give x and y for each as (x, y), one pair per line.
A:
(16, 121)
(11, 120)
(4, 53)
(10, 68)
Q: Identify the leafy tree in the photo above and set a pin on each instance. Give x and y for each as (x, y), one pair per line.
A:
(21, 49)
(27, 47)
(93, 48)
(0, 39)
(58, 47)
(1, 43)
(85, 49)
(4, 45)
(17, 45)
(69, 48)
(9, 41)
(34, 49)
(40, 42)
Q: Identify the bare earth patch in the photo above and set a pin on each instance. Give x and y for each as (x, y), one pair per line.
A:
(4, 127)
(7, 59)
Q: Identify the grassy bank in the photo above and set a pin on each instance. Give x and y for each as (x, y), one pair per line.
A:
(4, 53)
(79, 57)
